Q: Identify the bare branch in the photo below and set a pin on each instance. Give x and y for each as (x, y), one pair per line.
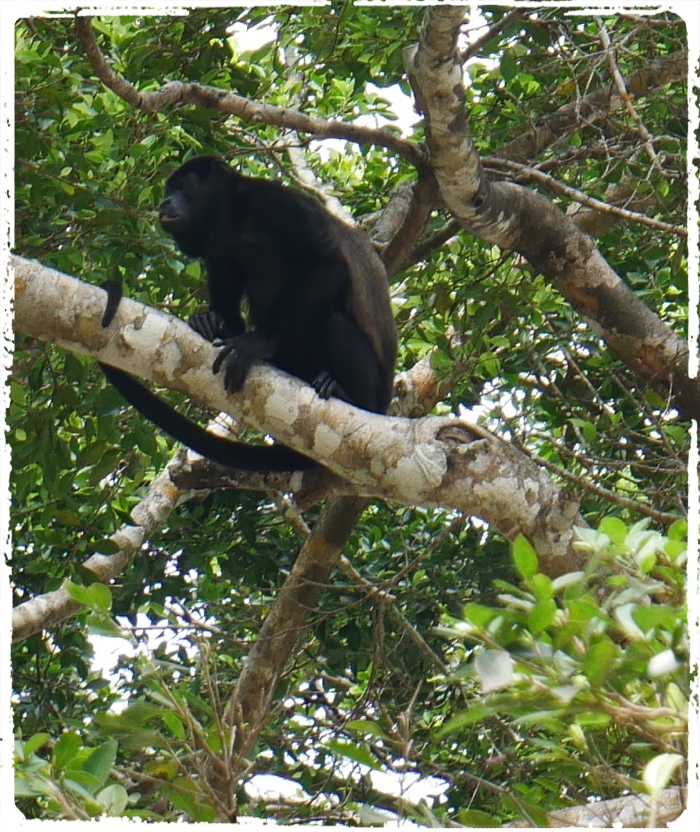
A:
(622, 92)
(177, 92)
(248, 710)
(475, 47)
(424, 197)
(525, 172)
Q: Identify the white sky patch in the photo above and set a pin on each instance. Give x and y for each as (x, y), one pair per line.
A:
(250, 39)
(409, 785)
(401, 105)
(153, 634)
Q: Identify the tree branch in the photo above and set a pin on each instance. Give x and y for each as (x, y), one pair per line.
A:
(44, 611)
(552, 184)
(178, 92)
(590, 108)
(433, 461)
(522, 220)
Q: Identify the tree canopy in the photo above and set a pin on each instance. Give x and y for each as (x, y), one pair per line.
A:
(474, 612)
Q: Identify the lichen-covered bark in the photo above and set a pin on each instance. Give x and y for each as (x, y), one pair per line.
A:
(429, 461)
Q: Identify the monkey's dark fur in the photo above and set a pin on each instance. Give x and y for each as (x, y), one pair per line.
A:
(317, 297)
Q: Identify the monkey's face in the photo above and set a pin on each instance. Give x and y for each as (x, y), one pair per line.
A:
(196, 196)
(184, 214)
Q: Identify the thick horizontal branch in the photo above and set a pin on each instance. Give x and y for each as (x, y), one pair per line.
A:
(432, 461)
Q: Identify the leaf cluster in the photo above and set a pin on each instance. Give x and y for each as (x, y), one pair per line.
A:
(586, 674)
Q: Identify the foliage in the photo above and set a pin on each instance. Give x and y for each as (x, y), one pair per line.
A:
(365, 693)
(586, 674)
(72, 783)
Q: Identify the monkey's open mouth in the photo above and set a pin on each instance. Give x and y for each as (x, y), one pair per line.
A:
(169, 219)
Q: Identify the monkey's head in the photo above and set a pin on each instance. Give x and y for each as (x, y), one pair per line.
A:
(194, 194)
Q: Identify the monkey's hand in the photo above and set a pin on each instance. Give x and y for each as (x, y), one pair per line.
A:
(326, 387)
(211, 326)
(237, 356)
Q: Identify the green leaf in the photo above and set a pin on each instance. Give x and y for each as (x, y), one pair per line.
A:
(533, 813)
(477, 819)
(675, 548)
(541, 585)
(84, 785)
(478, 614)
(114, 799)
(675, 698)
(593, 719)
(367, 726)
(476, 713)
(30, 786)
(525, 557)
(67, 518)
(678, 530)
(661, 615)
(614, 528)
(35, 742)
(352, 751)
(185, 796)
(101, 760)
(97, 596)
(66, 750)
(541, 617)
(174, 724)
(508, 67)
(658, 771)
(601, 660)
(588, 429)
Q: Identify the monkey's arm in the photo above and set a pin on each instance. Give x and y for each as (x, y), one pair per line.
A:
(216, 448)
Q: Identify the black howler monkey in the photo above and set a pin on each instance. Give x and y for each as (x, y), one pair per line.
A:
(317, 294)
